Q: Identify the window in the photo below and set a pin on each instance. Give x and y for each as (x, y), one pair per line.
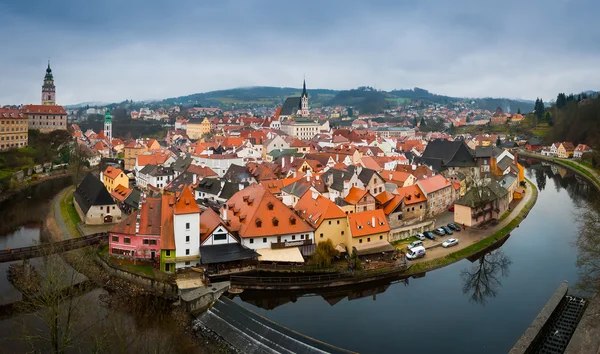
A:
(322, 235)
(101, 208)
(187, 251)
(251, 240)
(127, 240)
(187, 225)
(145, 242)
(368, 239)
(360, 241)
(407, 210)
(153, 242)
(338, 222)
(264, 240)
(168, 253)
(381, 237)
(342, 233)
(220, 237)
(115, 239)
(329, 222)
(187, 263)
(187, 239)
(293, 237)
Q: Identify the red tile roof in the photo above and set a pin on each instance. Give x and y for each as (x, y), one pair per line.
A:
(121, 193)
(209, 221)
(150, 215)
(412, 194)
(316, 210)
(368, 223)
(432, 184)
(43, 109)
(167, 235)
(186, 203)
(112, 172)
(355, 195)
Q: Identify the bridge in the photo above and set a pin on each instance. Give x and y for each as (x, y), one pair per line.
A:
(251, 333)
(17, 254)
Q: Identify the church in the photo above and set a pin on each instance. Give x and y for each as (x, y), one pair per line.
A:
(294, 117)
(47, 116)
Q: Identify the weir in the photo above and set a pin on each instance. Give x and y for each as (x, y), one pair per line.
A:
(251, 333)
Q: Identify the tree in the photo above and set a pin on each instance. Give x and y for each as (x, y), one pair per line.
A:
(324, 253)
(519, 110)
(498, 142)
(483, 279)
(422, 124)
(539, 109)
(548, 118)
(79, 159)
(452, 129)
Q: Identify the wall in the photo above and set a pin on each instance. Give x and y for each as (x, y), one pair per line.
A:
(95, 215)
(402, 232)
(258, 241)
(168, 290)
(200, 299)
(337, 233)
(181, 232)
(13, 132)
(367, 239)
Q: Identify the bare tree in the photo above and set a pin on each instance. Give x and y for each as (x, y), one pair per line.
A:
(79, 160)
(483, 279)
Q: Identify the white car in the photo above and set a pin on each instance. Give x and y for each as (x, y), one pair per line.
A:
(450, 242)
(420, 237)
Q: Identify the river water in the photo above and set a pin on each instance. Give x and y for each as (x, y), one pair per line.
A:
(475, 307)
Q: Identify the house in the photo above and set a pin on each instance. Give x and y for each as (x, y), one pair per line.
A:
(138, 236)
(481, 204)
(268, 226)
(138, 147)
(154, 177)
(439, 193)
(533, 144)
(580, 150)
(400, 179)
(93, 203)
(367, 227)
(510, 182)
(357, 200)
(112, 177)
(392, 207)
(219, 162)
(414, 202)
(185, 219)
(220, 248)
(195, 128)
(275, 143)
(328, 220)
(565, 150)
(443, 155)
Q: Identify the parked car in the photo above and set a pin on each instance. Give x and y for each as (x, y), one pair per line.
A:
(451, 208)
(415, 244)
(416, 252)
(439, 232)
(447, 230)
(429, 235)
(453, 226)
(420, 236)
(450, 242)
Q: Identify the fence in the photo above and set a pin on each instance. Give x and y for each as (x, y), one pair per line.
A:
(8, 255)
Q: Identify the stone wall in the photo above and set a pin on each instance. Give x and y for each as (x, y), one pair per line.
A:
(164, 289)
(400, 233)
(200, 299)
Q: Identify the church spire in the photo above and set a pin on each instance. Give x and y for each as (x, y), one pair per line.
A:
(48, 88)
(304, 94)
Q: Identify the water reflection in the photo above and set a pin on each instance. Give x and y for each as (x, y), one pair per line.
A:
(482, 281)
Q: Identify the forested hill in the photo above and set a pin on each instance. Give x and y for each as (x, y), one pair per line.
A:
(365, 99)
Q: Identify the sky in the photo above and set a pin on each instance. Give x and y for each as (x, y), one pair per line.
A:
(112, 50)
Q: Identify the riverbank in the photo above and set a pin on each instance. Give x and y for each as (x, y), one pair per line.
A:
(31, 183)
(584, 171)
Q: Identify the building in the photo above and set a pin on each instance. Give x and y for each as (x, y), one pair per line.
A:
(196, 128)
(113, 177)
(138, 147)
(414, 202)
(565, 150)
(138, 236)
(46, 118)
(368, 226)
(439, 193)
(219, 163)
(108, 127)
(481, 204)
(580, 150)
(533, 144)
(388, 132)
(94, 204)
(13, 128)
(328, 219)
(357, 200)
(301, 128)
(267, 225)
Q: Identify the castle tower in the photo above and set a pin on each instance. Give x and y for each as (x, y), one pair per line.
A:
(48, 89)
(108, 126)
(304, 101)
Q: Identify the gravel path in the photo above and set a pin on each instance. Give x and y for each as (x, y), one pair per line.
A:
(57, 215)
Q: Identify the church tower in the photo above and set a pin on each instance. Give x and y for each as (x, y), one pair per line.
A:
(108, 126)
(48, 89)
(304, 101)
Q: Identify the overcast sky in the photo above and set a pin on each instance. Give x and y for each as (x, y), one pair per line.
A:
(112, 50)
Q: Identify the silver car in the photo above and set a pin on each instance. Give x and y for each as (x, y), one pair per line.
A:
(450, 242)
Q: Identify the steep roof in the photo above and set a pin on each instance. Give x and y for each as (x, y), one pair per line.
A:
(209, 221)
(120, 193)
(411, 194)
(186, 203)
(442, 153)
(397, 177)
(355, 195)
(255, 212)
(127, 226)
(479, 197)
(167, 234)
(112, 172)
(361, 224)
(91, 192)
(291, 106)
(392, 205)
(316, 208)
(504, 163)
(150, 214)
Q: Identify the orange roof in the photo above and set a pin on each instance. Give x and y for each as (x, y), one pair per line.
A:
(411, 194)
(355, 195)
(121, 193)
(432, 184)
(274, 186)
(370, 162)
(43, 109)
(202, 171)
(167, 234)
(150, 213)
(186, 204)
(395, 176)
(384, 197)
(230, 142)
(255, 212)
(209, 221)
(315, 210)
(112, 172)
(368, 223)
(456, 185)
(12, 113)
(127, 226)
(392, 205)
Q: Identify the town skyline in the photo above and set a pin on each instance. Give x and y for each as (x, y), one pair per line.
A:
(111, 52)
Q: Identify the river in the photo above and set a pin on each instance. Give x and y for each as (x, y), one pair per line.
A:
(468, 307)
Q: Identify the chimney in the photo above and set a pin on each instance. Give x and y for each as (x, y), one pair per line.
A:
(240, 186)
(373, 221)
(282, 162)
(414, 167)
(315, 195)
(225, 214)
(390, 176)
(317, 177)
(194, 178)
(292, 159)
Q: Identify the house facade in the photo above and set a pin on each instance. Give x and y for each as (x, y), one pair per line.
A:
(94, 204)
(439, 193)
(113, 177)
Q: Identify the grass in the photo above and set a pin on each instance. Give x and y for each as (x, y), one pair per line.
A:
(144, 270)
(69, 214)
(579, 168)
(476, 247)
(404, 242)
(103, 251)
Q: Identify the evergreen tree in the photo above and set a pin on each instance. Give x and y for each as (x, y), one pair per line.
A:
(423, 122)
(452, 129)
(548, 118)
(561, 100)
(519, 110)
(539, 109)
(498, 142)
(415, 121)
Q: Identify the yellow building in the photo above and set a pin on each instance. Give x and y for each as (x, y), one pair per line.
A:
(367, 227)
(13, 129)
(328, 219)
(112, 177)
(565, 150)
(138, 147)
(196, 128)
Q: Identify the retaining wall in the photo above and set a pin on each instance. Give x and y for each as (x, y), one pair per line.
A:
(200, 299)
(400, 233)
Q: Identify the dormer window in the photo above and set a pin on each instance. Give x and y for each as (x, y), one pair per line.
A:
(292, 221)
(270, 206)
(258, 223)
(275, 222)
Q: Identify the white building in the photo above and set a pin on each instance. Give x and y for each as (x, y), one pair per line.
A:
(219, 162)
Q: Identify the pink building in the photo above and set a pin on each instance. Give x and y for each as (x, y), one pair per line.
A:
(138, 236)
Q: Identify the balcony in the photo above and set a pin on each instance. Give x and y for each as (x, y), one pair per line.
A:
(279, 245)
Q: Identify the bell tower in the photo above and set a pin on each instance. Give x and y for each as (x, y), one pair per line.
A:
(108, 126)
(48, 88)
(304, 101)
